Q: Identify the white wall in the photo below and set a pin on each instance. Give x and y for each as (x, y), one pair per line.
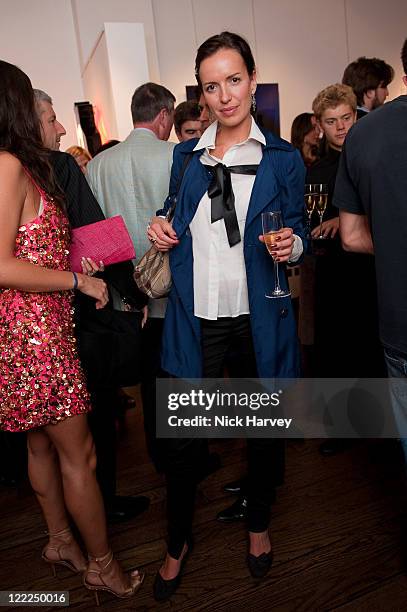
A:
(303, 45)
(98, 88)
(90, 15)
(40, 38)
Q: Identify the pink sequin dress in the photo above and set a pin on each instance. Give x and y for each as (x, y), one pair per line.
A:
(41, 380)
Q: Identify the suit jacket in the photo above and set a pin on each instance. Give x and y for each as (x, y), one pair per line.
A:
(279, 185)
(131, 179)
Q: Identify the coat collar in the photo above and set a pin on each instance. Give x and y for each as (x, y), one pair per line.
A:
(266, 185)
(208, 138)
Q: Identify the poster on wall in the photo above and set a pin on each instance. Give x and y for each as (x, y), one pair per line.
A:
(267, 103)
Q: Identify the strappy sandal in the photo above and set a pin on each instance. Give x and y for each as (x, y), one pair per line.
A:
(59, 553)
(98, 579)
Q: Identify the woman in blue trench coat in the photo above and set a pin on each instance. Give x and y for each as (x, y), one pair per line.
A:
(221, 272)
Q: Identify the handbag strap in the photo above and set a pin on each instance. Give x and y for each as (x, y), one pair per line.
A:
(171, 210)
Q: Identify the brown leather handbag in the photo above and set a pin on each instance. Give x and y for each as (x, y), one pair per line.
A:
(152, 273)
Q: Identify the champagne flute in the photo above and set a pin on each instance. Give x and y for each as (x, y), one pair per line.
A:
(321, 200)
(309, 199)
(272, 225)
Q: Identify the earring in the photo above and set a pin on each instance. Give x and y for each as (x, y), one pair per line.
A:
(254, 104)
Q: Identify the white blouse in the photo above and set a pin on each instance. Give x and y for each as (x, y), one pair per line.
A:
(220, 285)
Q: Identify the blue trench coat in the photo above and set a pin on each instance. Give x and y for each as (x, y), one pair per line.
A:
(279, 185)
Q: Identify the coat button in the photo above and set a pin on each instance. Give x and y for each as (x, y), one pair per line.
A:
(283, 313)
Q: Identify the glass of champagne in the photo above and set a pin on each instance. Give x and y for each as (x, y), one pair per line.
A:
(321, 200)
(309, 199)
(272, 226)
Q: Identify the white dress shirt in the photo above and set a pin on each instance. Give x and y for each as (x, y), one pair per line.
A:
(220, 285)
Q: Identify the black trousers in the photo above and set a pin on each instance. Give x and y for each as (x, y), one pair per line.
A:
(151, 346)
(225, 342)
(102, 423)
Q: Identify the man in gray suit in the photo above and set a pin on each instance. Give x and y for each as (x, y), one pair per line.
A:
(132, 180)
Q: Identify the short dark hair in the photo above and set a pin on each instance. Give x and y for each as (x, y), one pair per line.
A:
(186, 111)
(224, 40)
(148, 100)
(367, 73)
(301, 126)
(404, 56)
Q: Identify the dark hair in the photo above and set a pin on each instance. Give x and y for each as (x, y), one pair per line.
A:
(148, 100)
(365, 74)
(20, 131)
(225, 40)
(186, 111)
(107, 145)
(301, 126)
(404, 56)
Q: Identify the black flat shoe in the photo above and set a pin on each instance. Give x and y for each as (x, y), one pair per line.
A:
(236, 512)
(233, 487)
(260, 566)
(164, 589)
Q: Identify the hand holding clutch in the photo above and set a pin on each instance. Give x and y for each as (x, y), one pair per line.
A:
(108, 241)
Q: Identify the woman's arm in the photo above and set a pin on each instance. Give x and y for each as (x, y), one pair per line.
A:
(292, 208)
(160, 231)
(23, 275)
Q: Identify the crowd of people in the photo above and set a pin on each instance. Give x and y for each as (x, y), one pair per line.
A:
(219, 315)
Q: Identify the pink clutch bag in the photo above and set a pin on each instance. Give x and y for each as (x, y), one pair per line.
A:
(108, 241)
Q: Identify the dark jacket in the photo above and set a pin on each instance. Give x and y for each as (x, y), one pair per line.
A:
(279, 185)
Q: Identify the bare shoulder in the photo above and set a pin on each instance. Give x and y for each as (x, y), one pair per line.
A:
(10, 167)
(13, 179)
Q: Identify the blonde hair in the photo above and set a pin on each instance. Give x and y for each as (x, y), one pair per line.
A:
(76, 151)
(331, 97)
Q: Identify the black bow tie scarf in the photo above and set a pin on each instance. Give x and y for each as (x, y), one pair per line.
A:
(223, 200)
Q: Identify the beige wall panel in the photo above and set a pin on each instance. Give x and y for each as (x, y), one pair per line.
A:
(301, 46)
(214, 16)
(40, 38)
(378, 29)
(90, 15)
(176, 44)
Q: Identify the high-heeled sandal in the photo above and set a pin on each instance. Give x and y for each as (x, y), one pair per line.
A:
(98, 578)
(164, 589)
(61, 550)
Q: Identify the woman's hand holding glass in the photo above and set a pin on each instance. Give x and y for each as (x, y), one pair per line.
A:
(279, 241)
(161, 234)
(283, 248)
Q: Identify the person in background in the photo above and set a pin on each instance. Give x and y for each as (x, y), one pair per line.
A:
(42, 386)
(369, 77)
(52, 130)
(82, 209)
(107, 145)
(187, 122)
(305, 136)
(221, 273)
(131, 179)
(81, 156)
(205, 116)
(340, 323)
(370, 193)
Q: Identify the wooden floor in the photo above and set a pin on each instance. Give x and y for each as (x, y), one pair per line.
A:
(338, 528)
